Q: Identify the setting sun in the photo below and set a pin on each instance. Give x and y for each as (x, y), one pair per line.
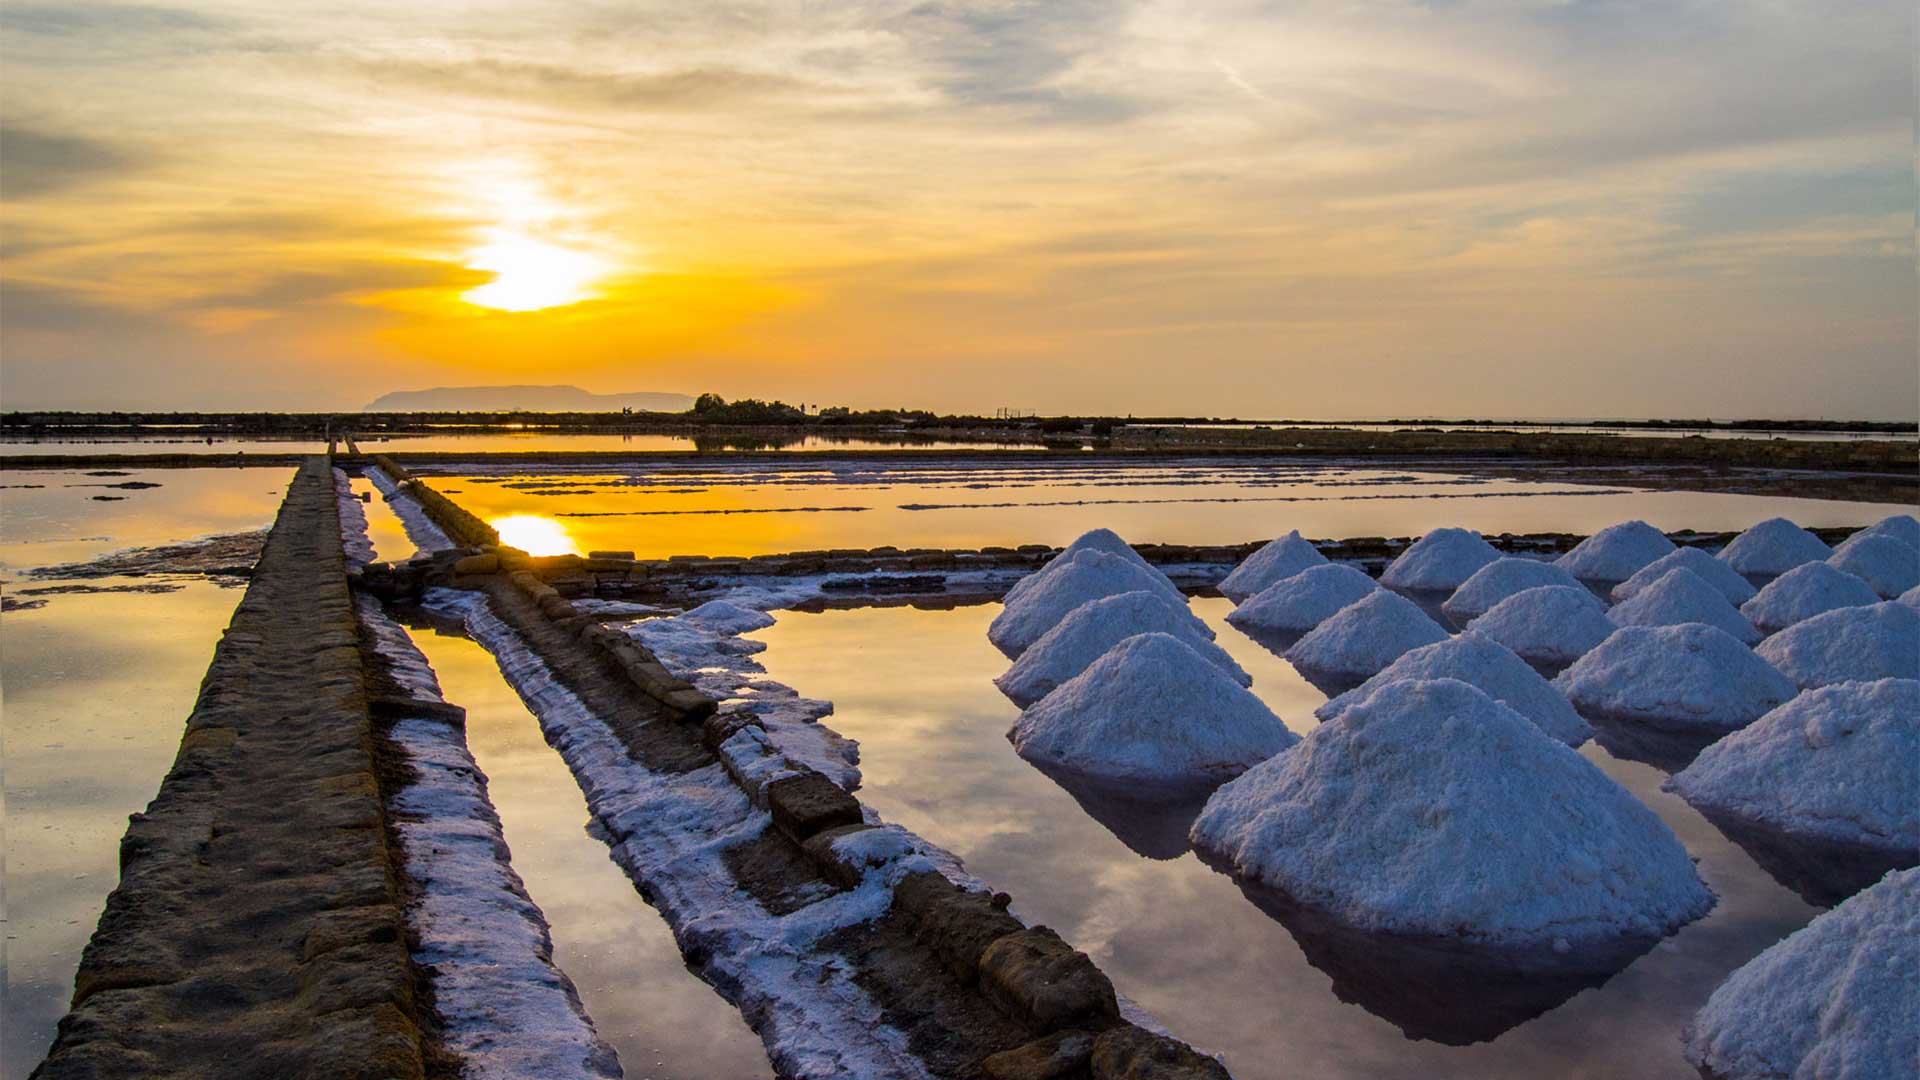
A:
(532, 274)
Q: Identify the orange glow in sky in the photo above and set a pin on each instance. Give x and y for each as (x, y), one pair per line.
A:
(531, 274)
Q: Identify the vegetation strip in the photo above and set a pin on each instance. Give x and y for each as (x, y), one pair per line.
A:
(258, 907)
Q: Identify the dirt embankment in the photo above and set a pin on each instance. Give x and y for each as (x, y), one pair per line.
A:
(257, 930)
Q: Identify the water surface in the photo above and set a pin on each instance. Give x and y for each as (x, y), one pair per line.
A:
(1183, 940)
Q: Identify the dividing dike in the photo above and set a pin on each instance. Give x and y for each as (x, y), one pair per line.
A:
(258, 930)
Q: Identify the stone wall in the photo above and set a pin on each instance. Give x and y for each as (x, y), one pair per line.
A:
(257, 929)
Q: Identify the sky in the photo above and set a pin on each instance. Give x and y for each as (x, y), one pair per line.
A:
(1322, 208)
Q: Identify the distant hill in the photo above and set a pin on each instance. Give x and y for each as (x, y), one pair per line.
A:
(524, 399)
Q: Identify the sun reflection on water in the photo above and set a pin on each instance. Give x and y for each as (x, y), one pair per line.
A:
(534, 534)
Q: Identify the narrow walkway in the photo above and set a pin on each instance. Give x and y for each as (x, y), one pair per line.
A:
(257, 930)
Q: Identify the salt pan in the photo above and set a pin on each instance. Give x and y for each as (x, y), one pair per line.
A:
(1365, 637)
(1855, 644)
(1089, 575)
(1691, 677)
(1151, 711)
(1277, 561)
(1094, 627)
(1500, 579)
(1772, 547)
(1836, 1000)
(1616, 552)
(1431, 809)
(1736, 589)
(1305, 600)
(1836, 763)
(1102, 540)
(1440, 561)
(1488, 666)
(1553, 624)
(1801, 593)
(1890, 566)
(1681, 596)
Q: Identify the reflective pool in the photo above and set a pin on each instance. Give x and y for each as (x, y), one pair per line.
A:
(97, 686)
(761, 508)
(1184, 941)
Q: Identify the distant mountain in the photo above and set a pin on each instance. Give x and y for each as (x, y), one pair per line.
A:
(524, 399)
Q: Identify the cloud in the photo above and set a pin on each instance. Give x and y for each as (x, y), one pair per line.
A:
(35, 163)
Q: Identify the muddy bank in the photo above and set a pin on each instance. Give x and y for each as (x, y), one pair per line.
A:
(258, 905)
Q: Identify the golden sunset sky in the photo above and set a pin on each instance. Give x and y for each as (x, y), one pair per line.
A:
(1337, 209)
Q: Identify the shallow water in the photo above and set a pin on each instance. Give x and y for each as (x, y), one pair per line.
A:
(97, 688)
(500, 442)
(659, 1017)
(1183, 940)
(743, 509)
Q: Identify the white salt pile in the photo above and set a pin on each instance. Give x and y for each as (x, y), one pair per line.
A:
(1303, 601)
(1365, 637)
(1440, 561)
(1094, 627)
(1492, 832)
(1774, 546)
(1911, 597)
(1488, 666)
(1902, 527)
(1691, 677)
(1736, 589)
(1681, 596)
(1152, 711)
(1855, 644)
(1835, 763)
(1277, 561)
(1616, 552)
(1089, 575)
(1500, 579)
(1102, 540)
(1801, 593)
(1889, 566)
(1836, 1000)
(1553, 624)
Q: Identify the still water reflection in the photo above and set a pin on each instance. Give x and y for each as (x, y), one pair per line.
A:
(913, 687)
(761, 509)
(659, 1017)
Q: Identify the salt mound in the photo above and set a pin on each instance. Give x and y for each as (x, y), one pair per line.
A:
(1500, 579)
(1835, 763)
(1616, 552)
(1890, 566)
(1151, 711)
(1431, 809)
(1736, 589)
(1366, 636)
(727, 617)
(1277, 561)
(1089, 575)
(1102, 540)
(1303, 601)
(1680, 596)
(1094, 627)
(1691, 677)
(1902, 527)
(1911, 597)
(1486, 666)
(1439, 561)
(1835, 1000)
(1855, 644)
(1553, 624)
(1801, 593)
(1774, 546)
